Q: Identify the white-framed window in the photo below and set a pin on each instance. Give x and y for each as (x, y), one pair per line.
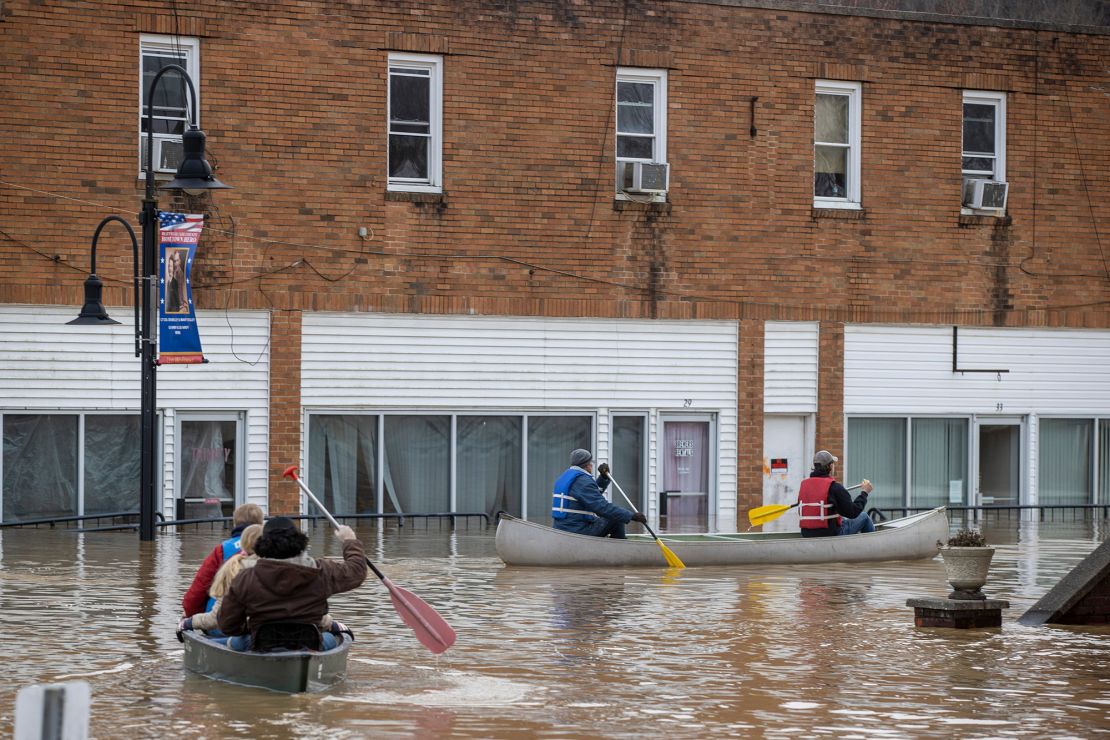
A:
(836, 144)
(641, 130)
(171, 98)
(415, 123)
(210, 475)
(984, 147)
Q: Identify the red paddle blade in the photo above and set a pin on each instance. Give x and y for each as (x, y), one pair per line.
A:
(431, 629)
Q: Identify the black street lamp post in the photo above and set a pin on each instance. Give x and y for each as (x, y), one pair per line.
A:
(193, 175)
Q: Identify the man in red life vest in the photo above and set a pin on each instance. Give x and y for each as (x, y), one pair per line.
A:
(825, 508)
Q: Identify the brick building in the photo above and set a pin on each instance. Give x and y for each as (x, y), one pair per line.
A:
(450, 254)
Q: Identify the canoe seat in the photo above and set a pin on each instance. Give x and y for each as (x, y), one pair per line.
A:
(288, 636)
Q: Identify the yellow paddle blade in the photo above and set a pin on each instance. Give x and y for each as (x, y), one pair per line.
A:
(672, 559)
(763, 514)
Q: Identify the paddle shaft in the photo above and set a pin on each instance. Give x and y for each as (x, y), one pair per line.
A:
(618, 487)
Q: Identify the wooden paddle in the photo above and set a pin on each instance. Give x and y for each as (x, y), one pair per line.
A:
(672, 560)
(430, 628)
(770, 512)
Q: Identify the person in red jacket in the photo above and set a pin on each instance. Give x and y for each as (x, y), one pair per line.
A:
(196, 599)
(825, 508)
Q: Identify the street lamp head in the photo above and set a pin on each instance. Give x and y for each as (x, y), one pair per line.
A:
(194, 174)
(93, 313)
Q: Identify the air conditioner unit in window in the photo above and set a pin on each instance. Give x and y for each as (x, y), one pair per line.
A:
(168, 154)
(645, 177)
(985, 194)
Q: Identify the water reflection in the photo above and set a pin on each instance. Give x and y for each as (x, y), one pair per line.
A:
(705, 651)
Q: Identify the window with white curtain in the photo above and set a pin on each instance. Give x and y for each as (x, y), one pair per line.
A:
(551, 439)
(43, 475)
(877, 451)
(1064, 465)
(416, 472)
(488, 464)
(343, 462)
(938, 462)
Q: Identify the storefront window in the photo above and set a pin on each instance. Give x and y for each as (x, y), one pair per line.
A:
(877, 451)
(112, 463)
(939, 466)
(417, 471)
(628, 459)
(551, 439)
(1064, 469)
(207, 472)
(1104, 461)
(488, 464)
(343, 457)
(40, 466)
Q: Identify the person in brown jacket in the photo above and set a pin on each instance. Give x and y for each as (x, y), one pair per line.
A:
(287, 585)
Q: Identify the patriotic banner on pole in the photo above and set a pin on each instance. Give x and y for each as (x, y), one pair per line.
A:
(178, 338)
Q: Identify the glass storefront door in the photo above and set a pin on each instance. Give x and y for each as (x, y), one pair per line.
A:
(209, 450)
(687, 477)
(1000, 461)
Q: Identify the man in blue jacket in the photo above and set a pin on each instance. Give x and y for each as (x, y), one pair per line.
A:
(578, 506)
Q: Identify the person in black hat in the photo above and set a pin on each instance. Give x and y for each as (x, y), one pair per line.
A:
(288, 585)
(825, 508)
(577, 503)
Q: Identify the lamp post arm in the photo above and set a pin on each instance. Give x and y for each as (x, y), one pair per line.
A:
(150, 118)
(134, 262)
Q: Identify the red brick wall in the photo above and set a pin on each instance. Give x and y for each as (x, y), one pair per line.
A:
(830, 388)
(285, 408)
(293, 101)
(749, 427)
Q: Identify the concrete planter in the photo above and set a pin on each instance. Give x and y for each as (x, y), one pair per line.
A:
(966, 569)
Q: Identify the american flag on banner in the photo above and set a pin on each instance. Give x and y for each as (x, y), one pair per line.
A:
(181, 227)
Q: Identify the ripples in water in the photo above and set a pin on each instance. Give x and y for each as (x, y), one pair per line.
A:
(552, 653)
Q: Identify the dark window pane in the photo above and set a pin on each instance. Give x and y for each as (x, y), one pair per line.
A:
(488, 464)
(409, 128)
(979, 128)
(409, 99)
(628, 459)
(171, 95)
(979, 165)
(635, 119)
(112, 460)
(408, 156)
(830, 176)
(635, 147)
(636, 92)
(40, 466)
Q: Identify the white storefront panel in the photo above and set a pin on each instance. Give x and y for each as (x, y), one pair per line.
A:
(49, 366)
(393, 362)
(790, 367)
(1058, 378)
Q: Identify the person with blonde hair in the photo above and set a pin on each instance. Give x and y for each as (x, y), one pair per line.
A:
(245, 558)
(196, 598)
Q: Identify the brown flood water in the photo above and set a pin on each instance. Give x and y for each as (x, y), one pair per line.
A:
(769, 651)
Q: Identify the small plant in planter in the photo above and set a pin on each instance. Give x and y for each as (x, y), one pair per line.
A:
(967, 560)
(967, 538)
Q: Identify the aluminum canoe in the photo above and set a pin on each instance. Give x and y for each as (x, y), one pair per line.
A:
(291, 671)
(910, 538)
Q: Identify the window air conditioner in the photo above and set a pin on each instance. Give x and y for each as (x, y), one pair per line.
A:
(645, 177)
(168, 154)
(985, 194)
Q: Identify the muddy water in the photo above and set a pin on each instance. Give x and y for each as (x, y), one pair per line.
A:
(708, 651)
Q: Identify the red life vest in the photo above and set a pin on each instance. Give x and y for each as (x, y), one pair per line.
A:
(814, 509)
